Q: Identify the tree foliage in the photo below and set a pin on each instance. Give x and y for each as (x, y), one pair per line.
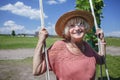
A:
(13, 33)
(98, 6)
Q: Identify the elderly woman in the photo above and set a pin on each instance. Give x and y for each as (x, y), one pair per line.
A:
(70, 58)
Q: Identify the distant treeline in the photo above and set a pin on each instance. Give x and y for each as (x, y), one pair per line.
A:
(25, 35)
(5, 34)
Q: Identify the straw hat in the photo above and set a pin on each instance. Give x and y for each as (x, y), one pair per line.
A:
(60, 24)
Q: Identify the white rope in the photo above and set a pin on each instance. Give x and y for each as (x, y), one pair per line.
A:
(45, 50)
(41, 13)
(99, 41)
(96, 26)
(93, 13)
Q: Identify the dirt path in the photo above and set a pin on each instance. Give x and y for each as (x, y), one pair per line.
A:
(16, 54)
(24, 53)
(113, 50)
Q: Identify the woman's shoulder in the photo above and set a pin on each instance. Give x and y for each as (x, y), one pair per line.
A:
(57, 47)
(58, 44)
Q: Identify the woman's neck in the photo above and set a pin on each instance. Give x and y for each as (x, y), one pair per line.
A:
(76, 43)
(76, 47)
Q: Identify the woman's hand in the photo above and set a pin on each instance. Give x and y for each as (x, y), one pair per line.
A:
(43, 34)
(100, 35)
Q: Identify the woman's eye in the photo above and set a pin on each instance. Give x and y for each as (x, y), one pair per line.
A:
(72, 25)
(81, 25)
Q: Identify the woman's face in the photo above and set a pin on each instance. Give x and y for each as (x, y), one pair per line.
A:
(76, 29)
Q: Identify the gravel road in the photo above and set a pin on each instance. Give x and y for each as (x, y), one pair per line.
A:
(16, 53)
(24, 53)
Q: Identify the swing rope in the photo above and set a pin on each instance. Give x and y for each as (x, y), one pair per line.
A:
(44, 48)
(99, 43)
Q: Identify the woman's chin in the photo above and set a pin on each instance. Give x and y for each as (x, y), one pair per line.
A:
(78, 38)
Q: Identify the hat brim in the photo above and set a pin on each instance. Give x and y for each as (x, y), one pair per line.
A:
(60, 24)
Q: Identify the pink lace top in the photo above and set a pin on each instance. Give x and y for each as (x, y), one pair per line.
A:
(68, 66)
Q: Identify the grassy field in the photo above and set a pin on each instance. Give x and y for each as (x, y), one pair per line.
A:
(113, 41)
(10, 42)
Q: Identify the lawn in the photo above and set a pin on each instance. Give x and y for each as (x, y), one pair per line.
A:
(10, 42)
(113, 41)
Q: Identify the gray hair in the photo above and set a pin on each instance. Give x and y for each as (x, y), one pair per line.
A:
(72, 21)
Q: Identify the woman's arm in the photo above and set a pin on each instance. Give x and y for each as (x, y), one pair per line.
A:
(39, 66)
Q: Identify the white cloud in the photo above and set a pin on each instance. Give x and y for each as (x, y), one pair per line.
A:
(114, 34)
(50, 2)
(51, 29)
(19, 8)
(10, 25)
(62, 1)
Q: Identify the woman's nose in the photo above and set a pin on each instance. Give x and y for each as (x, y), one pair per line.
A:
(77, 27)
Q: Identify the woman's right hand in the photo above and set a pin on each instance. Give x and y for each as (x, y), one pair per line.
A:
(43, 34)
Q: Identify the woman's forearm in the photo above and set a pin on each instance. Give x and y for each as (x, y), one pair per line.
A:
(38, 59)
(39, 66)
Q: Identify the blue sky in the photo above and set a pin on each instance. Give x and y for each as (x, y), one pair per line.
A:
(23, 16)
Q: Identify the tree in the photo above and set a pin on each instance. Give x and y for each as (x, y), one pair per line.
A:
(98, 6)
(13, 33)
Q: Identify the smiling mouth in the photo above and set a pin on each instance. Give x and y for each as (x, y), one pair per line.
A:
(79, 32)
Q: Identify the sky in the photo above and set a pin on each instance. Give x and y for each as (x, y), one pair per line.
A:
(23, 16)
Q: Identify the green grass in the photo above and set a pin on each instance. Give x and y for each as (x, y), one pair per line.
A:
(113, 41)
(10, 42)
(113, 65)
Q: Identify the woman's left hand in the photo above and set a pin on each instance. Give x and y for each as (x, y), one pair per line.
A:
(100, 34)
